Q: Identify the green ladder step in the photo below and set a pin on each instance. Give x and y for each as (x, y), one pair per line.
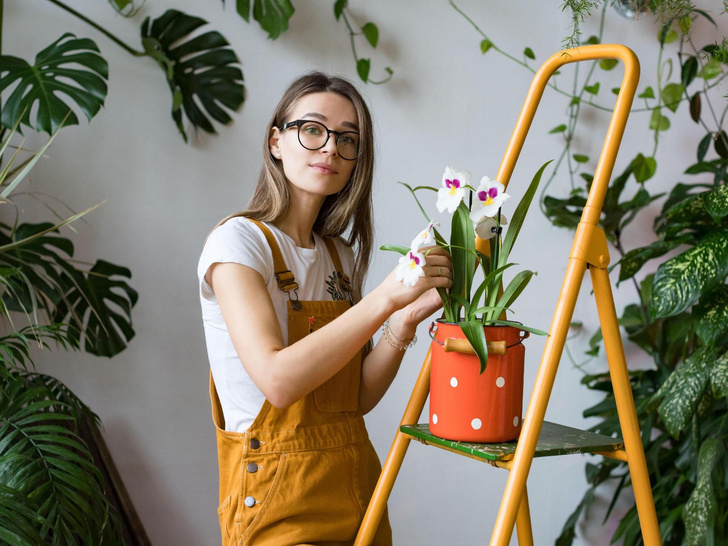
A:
(554, 440)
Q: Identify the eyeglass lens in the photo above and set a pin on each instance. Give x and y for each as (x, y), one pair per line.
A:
(314, 135)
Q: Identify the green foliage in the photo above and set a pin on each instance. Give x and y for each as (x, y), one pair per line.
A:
(199, 70)
(273, 15)
(50, 489)
(370, 31)
(47, 475)
(70, 66)
(679, 317)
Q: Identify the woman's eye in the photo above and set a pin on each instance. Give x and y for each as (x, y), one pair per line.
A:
(312, 130)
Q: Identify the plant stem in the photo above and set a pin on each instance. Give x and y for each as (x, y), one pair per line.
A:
(101, 29)
(353, 49)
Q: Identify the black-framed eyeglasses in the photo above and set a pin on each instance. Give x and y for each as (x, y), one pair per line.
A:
(314, 135)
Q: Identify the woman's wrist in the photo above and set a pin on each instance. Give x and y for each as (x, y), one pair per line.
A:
(401, 327)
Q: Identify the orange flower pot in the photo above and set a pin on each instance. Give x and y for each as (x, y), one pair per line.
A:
(468, 406)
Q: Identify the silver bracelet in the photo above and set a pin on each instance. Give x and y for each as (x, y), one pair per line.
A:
(394, 341)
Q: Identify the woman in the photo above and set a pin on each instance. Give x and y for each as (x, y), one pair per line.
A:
(288, 333)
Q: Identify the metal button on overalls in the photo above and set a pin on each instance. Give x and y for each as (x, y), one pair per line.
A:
(315, 465)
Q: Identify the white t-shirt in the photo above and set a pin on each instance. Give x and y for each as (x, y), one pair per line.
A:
(240, 241)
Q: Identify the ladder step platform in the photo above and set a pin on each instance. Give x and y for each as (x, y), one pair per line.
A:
(554, 440)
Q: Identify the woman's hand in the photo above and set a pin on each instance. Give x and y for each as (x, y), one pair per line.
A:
(416, 303)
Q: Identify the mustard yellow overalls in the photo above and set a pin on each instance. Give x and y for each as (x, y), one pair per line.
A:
(303, 474)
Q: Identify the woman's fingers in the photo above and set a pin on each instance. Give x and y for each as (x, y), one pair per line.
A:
(438, 271)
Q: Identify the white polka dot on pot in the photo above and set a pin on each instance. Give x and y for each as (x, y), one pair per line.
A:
(434, 418)
(500, 382)
(476, 423)
(453, 381)
(515, 421)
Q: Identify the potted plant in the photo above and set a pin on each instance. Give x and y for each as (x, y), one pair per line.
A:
(476, 382)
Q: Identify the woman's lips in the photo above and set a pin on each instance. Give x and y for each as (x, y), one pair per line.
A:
(324, 168)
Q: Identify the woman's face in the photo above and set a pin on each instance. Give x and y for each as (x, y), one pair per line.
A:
(322, 172)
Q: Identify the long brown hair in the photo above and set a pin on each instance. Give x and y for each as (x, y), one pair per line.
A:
(352, 206)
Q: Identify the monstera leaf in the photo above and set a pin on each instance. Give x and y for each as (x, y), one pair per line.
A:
(69, 68)
(95, 304)
(273, 15)
(199, 70)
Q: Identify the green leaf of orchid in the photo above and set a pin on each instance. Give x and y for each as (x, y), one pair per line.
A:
(475, 334)
(519, 216)
(462, 251)
(514, 288)
(395, 248)
(520, 326)
(412, 191)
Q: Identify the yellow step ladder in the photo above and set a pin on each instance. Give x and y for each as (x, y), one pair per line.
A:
(539, 438)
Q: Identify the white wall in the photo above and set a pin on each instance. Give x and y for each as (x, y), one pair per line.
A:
(447, 104)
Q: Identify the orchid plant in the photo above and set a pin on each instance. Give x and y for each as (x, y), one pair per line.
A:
(487, 303)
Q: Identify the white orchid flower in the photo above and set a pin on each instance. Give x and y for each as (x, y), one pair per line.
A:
(453, 189)
(426, 237)
(490, 195)
(410, 267)
(486, 227)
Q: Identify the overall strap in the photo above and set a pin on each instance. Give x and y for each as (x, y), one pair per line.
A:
(284, 276)
(334, 254)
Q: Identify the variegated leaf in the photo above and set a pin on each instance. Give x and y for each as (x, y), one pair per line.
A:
(683, 279)
(633, 260)
(701, 503)
(687, 385)
(716, 202)
(711, 315)
(719, 377)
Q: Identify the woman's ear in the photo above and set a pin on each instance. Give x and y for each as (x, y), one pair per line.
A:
(274, 142)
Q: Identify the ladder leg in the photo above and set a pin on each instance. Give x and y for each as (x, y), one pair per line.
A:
(536, 410)
(625, 407)
(393, 463)
(523, 522)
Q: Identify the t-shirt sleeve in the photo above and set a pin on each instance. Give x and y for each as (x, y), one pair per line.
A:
(236, 241)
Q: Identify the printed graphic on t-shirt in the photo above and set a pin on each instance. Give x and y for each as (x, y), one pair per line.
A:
(339, 287)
